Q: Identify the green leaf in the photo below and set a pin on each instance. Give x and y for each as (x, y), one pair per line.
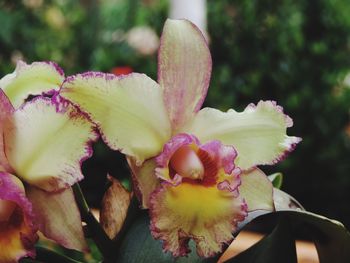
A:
(277, 247)
(138, 246)
(47, 255)
(276, 180)
(331, 239)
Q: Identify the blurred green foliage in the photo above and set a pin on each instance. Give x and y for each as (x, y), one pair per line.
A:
(295, 52)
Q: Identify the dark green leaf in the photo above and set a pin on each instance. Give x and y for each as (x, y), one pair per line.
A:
(331, 238)
(138, 246)
(277, 247)
(47, 255)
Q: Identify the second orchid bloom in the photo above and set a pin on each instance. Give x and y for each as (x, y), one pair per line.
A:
(194, 169)
(42, 145)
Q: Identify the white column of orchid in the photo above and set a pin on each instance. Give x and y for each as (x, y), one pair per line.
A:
(193, 10)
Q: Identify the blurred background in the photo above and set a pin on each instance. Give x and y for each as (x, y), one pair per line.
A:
(296, 52)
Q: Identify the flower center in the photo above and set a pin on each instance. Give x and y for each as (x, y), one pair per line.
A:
(186, 163)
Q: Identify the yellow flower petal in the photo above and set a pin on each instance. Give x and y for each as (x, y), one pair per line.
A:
(206, 214)
(32, 79)
(129, 111)
(46, 142)
(259, 133)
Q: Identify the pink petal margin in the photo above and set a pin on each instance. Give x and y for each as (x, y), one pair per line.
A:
(288, 120)
(73, 173)
(21, 65)
(61, 106)
(291, 142)
(11, 191)
(223, 155)
(58, 98)
(6, 110)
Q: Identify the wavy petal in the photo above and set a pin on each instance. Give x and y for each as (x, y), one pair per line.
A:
(6, 110)
(144, 180)
(129, 111)
(257, 190)
(206, 214)
(47, 141)
(258, 133)
(32, 79)
(58, 217)
(17, 235)
(184, 69)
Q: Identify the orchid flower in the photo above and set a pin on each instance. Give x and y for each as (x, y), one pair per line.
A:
(195, 169)
(42, 145)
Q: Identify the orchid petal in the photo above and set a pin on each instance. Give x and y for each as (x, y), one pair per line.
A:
(58, 217)
(206, 214)
(184, 69)
(258, 133)
(46, 142)
(18, 235)
(129, 111)
(6, 110)
(144, 180)
(33, 79)
(257, 190)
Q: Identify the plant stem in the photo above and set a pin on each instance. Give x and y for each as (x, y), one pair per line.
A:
(104, 244)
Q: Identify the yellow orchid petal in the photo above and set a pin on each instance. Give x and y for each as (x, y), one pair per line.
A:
(258, 133)
(257, 190)
(129, 111)
(46, 142)
(32, 79)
